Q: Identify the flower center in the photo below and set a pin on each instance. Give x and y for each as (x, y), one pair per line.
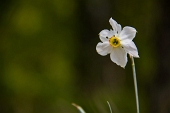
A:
(114, 41)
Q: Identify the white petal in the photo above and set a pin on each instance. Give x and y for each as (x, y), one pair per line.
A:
(103, 34)
(130, 48)
(119, 56)
(103, 48)
(127, 33)
(103, 39)
(113, 23)
(119, 28)
(112, 33)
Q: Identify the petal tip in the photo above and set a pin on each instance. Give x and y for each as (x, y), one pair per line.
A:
(110, 18)
(123, 67)
(136, 56)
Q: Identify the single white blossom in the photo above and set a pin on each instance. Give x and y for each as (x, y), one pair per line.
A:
(117, 42)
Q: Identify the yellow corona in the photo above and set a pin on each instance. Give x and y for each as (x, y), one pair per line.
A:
(114, 41)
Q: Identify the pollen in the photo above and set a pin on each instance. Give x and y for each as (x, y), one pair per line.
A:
(114, 41)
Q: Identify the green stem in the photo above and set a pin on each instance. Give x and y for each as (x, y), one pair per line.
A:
(135, 84)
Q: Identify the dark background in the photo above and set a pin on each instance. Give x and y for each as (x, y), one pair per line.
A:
(48, 58)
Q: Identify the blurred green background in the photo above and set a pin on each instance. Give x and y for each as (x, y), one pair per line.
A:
(48, 58)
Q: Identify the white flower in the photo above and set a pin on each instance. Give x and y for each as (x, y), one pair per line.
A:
(118, 42)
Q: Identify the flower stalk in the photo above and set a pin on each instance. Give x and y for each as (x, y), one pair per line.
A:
(135, 83)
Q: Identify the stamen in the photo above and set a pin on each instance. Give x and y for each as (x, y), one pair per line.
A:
(114, 41)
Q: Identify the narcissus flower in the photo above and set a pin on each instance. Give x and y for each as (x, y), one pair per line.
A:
(117, 42)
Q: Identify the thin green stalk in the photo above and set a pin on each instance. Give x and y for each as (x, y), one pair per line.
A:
(135, 84)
